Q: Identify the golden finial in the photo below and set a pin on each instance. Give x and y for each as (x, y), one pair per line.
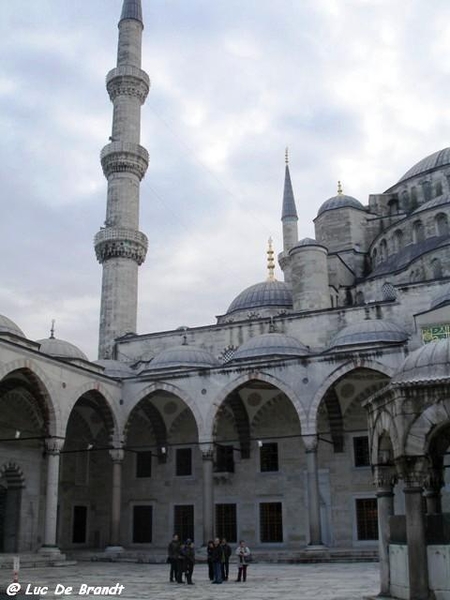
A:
(52, 330)
(340, 188)
(270, 262)
(287, 155)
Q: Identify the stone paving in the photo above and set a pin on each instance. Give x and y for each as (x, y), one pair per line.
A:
(348, 581)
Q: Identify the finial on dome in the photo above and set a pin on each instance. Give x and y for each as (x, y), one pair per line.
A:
(52, 330)
(286, 156)
(270, 262)
(339, 191)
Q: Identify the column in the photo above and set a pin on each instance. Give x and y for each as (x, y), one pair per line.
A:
(384, 478)
(53, 448)
(315, 530)
(117, 456)
(433, 484)
(208, 493)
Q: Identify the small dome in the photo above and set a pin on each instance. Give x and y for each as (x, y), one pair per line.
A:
(184, 356)
(115, 368)
(430, 363)
(369, 331)
(8, 326)
(270, 344)
(441, 298)
(261, 295)
(61, 349)
(432, 162)
(307, 242)
(340, 201)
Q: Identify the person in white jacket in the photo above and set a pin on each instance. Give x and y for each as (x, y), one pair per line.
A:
(243, 555)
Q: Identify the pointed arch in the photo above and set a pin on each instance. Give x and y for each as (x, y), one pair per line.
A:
(102, 401)
(417, 438)
(384, 425)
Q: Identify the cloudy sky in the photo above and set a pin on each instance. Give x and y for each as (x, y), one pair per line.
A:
(357, 89)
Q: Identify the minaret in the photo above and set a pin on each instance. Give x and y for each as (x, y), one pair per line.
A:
(289, 220)
(119, 245)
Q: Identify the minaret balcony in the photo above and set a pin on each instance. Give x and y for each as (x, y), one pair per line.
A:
(128, 81)
(120, 157)
(120, 242)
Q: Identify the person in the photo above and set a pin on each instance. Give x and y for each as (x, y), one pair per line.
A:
(243, 554)
(189, 560)
(226, 553)
(173, 552)
(217, 561)
(209, 553)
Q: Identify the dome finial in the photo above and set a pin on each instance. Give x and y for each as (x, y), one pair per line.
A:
(339, 191)
(286, 156)
(52, 330)
(270, 262)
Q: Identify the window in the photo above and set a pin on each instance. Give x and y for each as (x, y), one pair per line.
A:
(142, 524)
(143, 464)
(419, 234)
(226, 524)
(438, 189)
(383, 250)
(79, 525)
(271, 522)
(224, 459)
(184, 462)
(398, 240)
(426, 185)
(436, 268)
(367, 518)
(183, 520)
(361, 452)
(268, 454)
(442, 224)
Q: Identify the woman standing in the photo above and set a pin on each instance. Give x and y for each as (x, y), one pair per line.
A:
(243, 554)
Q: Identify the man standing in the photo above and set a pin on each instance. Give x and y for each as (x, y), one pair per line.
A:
(173, 552)
(217, 561)
(226, 553)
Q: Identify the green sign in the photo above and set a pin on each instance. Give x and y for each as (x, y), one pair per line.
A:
(435, 332)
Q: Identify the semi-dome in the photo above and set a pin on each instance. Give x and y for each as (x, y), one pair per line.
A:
(115, 368)
(441, 298)
(261, 295)
(429, 363)
(8, 326)
(340, 201)
(61, 349)
(369, 331)
(270, 344)
(430, 163)
(183, 357)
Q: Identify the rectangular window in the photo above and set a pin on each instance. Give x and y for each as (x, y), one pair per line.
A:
(224, 459)
(367, 518)
(361, 451)
(79, 526)
(271, 522)
(268, 454)
(226, 524)
(184, 521)
(142, 524)
(184, 462)
(143, 464)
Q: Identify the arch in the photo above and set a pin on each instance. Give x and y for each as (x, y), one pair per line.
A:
(436, 268)
(384, 425)
(438, 189)
(356, 363)
(398, 240)
(417, 437)
(383, 250)
(106, 406)
(441, 224)
(418, 231)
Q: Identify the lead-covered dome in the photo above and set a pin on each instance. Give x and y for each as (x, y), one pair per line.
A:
(430, 163)
(270, 344)
(273, 294)
(8, 326)
(307, 242)
(428, 364)
(368, 332)
(61, 349)
(340, 201)
(183, 357)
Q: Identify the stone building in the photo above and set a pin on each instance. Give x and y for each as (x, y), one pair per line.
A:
(257, 426)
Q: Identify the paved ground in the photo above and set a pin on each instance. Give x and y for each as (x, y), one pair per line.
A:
(264, 582)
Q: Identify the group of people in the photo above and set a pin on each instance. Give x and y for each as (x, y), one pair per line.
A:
(181, 557)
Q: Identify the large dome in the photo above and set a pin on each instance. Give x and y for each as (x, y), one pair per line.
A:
(434, 161)
(183, 357)
(8, 326)
(430, 363)
(262, 295)
(369, 331)
(270, 344)
(61, 349)
(340, 201)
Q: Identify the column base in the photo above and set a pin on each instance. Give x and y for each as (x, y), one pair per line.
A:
(50, 550)
(114, 549)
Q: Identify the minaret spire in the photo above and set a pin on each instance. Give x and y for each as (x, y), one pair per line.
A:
(289, 215)
(120, 246)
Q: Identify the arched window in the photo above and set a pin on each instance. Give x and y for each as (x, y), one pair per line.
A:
(393, 206)
(438, 188)
(374, 256)
(441, 224)
(359, 297)
(414, 199)
(405, 200)
(418, 232)
(426, 185)
(436, 268)
(398, 240)
(383, 250)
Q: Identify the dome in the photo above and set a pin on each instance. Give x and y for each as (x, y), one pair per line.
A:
(430, 363)
(368, 332)
(262, 295)
(8, 326)
(61, 349)
(270, 344)
(115, 368)
(340, 201)
(184, 356)
(307, 242)
(434, 161)
(441, 298)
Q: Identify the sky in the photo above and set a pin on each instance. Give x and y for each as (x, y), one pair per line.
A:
(358, 90)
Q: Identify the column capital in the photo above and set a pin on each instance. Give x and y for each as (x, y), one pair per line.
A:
(384, 478)
(207, 451)
(117, 455)
(54, 445)
(311, 442)
(413, 470)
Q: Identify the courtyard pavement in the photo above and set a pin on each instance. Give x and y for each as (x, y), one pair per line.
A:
(346, 581)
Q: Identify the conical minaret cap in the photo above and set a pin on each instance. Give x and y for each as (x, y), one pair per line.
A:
(132, 9)
(289, 209)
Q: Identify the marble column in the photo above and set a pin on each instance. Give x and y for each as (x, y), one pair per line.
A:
(208, 493)
(117, 456)
(384, 478)
(53, 447)
(315, 529)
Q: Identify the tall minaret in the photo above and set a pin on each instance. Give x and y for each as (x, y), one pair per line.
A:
(289, 220)
(119, 245)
